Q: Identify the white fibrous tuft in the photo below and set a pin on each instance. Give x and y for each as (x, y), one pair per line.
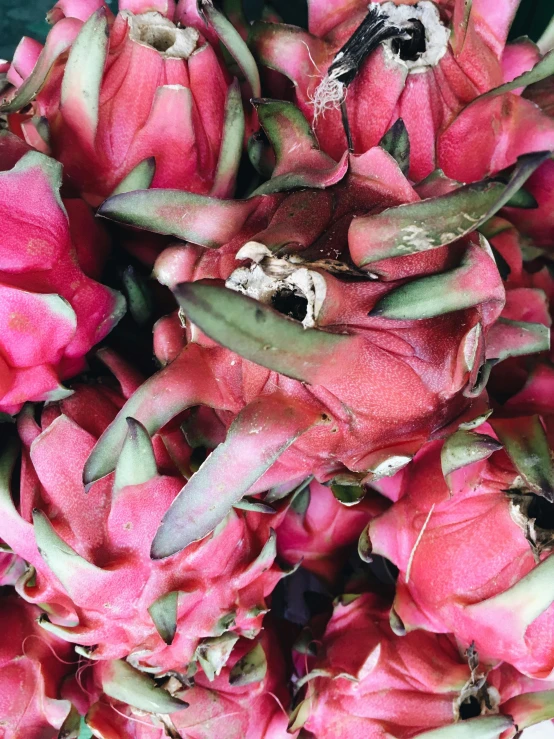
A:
(329, 95)
(268, 275)
(436, 34)
(331, 91)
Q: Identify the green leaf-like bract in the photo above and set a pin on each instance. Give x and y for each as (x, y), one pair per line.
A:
(261, 334)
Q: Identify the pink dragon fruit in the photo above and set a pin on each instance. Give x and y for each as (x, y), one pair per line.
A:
(33, 665)
(146, 96)
(11, 566)
(502, 123)
(431, 308)
(319, 531)
(538, 223)
(529, 295)
(89, 554)
(421, 63)
(369, 683)
(483, 514)
(248, 700)
(46, 257)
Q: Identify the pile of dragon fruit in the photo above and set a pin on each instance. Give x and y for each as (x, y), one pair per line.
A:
(276, 386)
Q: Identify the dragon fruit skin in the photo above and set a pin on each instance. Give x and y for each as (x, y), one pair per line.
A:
(234, 705)
(11, 568)
(118, 105)
(89, 553)
(41, 274)
(318, 530)
(91, 242)
(433, 347)
(325, 450)
(475, 61)
(493, 584)
(538, 223)
(33, 665)
(370, 683)
(529, 297)
(510, 125)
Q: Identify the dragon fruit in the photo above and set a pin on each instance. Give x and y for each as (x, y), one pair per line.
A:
(90, 568)
(318, 530)
(502, 123)
(33, 665)
(483, 513)
(145, 97)
(47, 250)
(247, 700)
(422, 63)
(368, 682)
(305, 254)
(529, 295)
(359, 349)
(11, 567)
(538, 223)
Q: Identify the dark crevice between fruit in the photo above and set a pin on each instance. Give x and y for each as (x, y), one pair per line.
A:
(197, 458)
(289, 303)
(481, 378)
(384, 570)
(8, 440)
(502, 265)
(301, 596)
